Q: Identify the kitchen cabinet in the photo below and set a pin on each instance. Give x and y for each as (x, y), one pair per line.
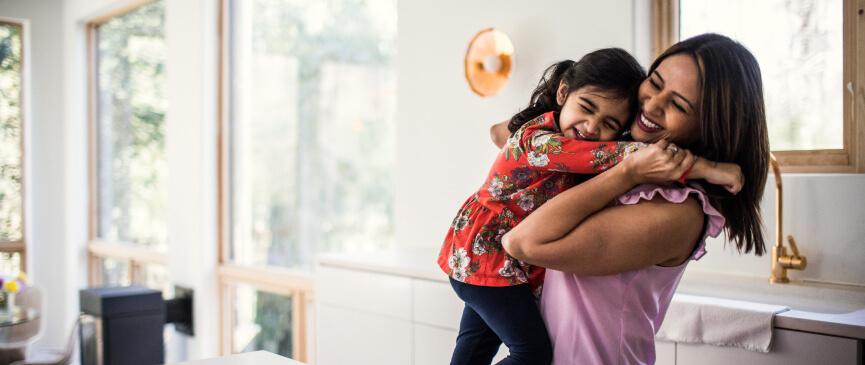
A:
(369, 314)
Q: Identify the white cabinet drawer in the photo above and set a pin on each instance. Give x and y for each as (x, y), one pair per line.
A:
(789, 348)
(435, 303)
(665, 353)
(371, 292)
(346, 336)
(434, 346)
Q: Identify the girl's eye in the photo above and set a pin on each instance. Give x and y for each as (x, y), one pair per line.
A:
(655, 84)
(677, 106)
(587, 110)
(611, 126)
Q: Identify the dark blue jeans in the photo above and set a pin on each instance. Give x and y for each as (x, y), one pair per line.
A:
(493, 315)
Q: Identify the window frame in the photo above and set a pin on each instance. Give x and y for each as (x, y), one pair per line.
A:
(137, 258)
(297, 284)
(849, 159)
(20, 246)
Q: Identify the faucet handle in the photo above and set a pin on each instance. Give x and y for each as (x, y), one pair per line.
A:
(793, 246)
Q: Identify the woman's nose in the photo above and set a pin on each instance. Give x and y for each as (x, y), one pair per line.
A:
(652, 106)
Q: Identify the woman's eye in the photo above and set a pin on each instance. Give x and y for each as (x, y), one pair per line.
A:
(611, 126)
(681, 108)
(655, 84)
(587, 110)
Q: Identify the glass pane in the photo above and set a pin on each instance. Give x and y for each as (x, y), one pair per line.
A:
(262, 321)
(131, 135)
(10, 263)
(313, 98)
(156, 277)
(115, 273)
(10, 133)
(799, 47)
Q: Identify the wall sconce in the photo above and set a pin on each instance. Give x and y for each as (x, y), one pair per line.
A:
(489, 62)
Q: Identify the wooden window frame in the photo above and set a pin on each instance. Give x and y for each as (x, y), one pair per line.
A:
(98, 250)
(20, 246)
(294, 283)
(850, 158)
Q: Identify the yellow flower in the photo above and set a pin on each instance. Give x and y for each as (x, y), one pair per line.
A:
(11, 286)
(22, 276)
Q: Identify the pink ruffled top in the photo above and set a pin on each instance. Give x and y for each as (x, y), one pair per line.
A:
(613, 319)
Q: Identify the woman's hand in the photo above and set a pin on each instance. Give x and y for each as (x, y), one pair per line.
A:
(658, 163)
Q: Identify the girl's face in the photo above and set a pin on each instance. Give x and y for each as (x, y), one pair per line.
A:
(590, 113)
(669, 99)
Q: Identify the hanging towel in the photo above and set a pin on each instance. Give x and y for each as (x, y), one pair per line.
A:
(719, 322)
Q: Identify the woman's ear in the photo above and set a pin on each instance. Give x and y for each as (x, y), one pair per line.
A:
(562, 93)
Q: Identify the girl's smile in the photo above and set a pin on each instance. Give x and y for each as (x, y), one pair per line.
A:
(591, 114)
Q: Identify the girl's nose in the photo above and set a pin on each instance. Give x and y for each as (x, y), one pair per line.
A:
(592, 126)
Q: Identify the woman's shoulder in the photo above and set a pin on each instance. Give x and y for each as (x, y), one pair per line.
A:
(680, 194)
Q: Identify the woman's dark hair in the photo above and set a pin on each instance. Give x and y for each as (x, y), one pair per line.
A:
(609, 69)
(733, 128)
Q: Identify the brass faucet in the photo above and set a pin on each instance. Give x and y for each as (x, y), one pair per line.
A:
(781, 262)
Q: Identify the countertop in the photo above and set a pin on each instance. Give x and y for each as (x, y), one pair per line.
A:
(248, 358)
(815, 308)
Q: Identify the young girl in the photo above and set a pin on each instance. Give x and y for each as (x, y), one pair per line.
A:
(575, 108)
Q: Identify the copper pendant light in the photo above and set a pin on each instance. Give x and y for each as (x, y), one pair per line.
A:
(489, 62)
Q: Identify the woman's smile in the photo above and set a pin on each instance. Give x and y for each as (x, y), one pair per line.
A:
(646, 124)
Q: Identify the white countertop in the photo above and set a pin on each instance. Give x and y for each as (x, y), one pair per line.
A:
(814, 308)
(248, 358)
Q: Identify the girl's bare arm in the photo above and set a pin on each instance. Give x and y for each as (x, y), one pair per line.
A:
(499, 133)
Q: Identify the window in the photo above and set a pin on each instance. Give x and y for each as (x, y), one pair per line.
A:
(808, 59)
(307, 151)
(12, 240)
(128, 166)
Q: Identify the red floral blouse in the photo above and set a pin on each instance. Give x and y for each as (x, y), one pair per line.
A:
(536, 164)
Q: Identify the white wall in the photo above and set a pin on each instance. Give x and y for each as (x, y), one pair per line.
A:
(443, 148)
(825, 213)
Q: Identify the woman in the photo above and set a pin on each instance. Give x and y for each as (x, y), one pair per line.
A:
(613, 269)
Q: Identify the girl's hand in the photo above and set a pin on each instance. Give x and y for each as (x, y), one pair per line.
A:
(727, 175)
(658, 163)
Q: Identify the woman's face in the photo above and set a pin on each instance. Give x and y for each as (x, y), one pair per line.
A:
(591, 114)
(669, 99)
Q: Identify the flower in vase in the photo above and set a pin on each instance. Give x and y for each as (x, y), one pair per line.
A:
(11, 286)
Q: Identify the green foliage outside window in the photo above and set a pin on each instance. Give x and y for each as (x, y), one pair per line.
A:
(10, 133)
(131, 133)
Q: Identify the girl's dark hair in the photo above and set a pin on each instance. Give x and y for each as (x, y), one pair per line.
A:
(609, 69)
(733, 128)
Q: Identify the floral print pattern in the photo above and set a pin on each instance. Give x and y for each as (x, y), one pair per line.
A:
(536, 164)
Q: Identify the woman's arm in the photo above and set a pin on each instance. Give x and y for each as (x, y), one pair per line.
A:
(615, 239)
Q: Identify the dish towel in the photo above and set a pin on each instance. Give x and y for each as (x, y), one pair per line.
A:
(719, 322)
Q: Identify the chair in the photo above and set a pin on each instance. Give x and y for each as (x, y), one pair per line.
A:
(55, 357)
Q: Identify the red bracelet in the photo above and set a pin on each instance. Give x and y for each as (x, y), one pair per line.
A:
(685, 175)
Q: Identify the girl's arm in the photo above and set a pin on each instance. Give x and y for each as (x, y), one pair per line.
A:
(573, 232)
(727, 175)
(542, 147)
(499, 133)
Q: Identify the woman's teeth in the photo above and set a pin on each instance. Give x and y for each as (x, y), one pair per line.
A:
(648, 124)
